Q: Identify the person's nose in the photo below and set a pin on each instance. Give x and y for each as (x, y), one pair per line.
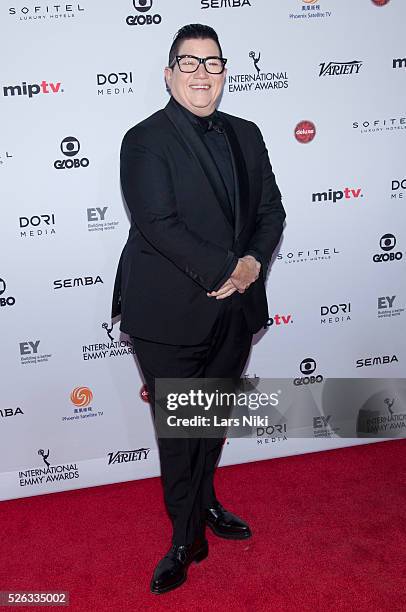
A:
(201, 72)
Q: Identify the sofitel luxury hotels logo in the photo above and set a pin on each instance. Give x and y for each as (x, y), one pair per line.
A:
(36, 12)
(257, 80)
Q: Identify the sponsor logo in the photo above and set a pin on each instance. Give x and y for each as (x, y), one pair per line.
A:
(311, 9)
(5, 300)
(291, 257)
(373, 361)
(35, 12)
(379, 125)
(70, 147)
(258, 80)
(387, 307)
(322, 427)
(272, 433)
(305, 131)
(139, 454)
(387, 244)
(144, 395)
(215, 4)
(37, 226)
(10, 412)
(32, 89)
(308, 367)
(398, 188)
(82, 281)
(141, 18)
(49, 473)
(111, 348)
(4, 157)
(381, 416)
(335, 195)
(279, 320)
(30, 353)
(96, 220)
(399, 62)
(338, 68)
(81, 397)
(114, 83)
(336, 313)
(380, 2)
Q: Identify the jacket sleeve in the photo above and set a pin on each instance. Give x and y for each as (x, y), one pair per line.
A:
(271, 213)
(147, 189)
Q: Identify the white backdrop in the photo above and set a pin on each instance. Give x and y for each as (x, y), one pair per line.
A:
(74, 78)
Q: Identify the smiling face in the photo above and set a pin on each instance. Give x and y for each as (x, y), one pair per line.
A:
(197, 91)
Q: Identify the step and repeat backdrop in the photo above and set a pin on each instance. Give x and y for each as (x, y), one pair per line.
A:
(325, 80)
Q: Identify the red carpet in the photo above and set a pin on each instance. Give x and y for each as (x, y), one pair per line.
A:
(329, 534)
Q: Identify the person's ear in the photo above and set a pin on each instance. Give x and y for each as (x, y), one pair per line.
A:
(168, 77)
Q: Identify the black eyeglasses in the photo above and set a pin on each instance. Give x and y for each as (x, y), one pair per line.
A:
(190, 63)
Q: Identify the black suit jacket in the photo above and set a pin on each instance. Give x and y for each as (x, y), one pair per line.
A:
(182, 241)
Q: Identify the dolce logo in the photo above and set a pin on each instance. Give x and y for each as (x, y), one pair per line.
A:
(387, 243)
(143, 6)
(70, 147)
(77, 282)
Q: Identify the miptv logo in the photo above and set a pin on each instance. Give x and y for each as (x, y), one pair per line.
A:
(81, 396)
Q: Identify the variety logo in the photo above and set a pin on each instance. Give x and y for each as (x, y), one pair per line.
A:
(311, 9)
(387, 244)
(111, 348)
(336, 313)
(96, 220)
(70, 147)
(348, 193)
(141, 19)
(82, 281)
(45, 11)
(139, 454)
(10, 412)
(307, 255)
(30, 353)
(386, 308)
(49, 473)
(43, 225)
(308, 367)
(339, 68)
(305, 131)
(396, 187)
(215, 4)
(4, 300)
(258, 80)
(114, 83)
(373, 361)
(32, 89)
(279, 320)
(380, 125)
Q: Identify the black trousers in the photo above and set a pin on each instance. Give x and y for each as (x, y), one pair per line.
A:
(188, 464)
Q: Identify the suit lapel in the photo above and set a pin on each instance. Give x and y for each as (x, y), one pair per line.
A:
(199, 151)
(241, 181)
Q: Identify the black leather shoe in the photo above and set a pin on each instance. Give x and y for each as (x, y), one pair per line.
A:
(225, 524)
(171, 571)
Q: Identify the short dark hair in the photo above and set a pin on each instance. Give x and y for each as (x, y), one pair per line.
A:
(193, 30)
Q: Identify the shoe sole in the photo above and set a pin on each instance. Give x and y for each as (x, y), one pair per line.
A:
(199, 556)
(233, 536)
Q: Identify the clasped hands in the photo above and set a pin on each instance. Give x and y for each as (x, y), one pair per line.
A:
(245, 273)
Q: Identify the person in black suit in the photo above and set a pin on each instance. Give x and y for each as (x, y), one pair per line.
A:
(206, 216)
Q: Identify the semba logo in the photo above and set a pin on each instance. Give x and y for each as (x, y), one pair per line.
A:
(142, 7)
(32, 89)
